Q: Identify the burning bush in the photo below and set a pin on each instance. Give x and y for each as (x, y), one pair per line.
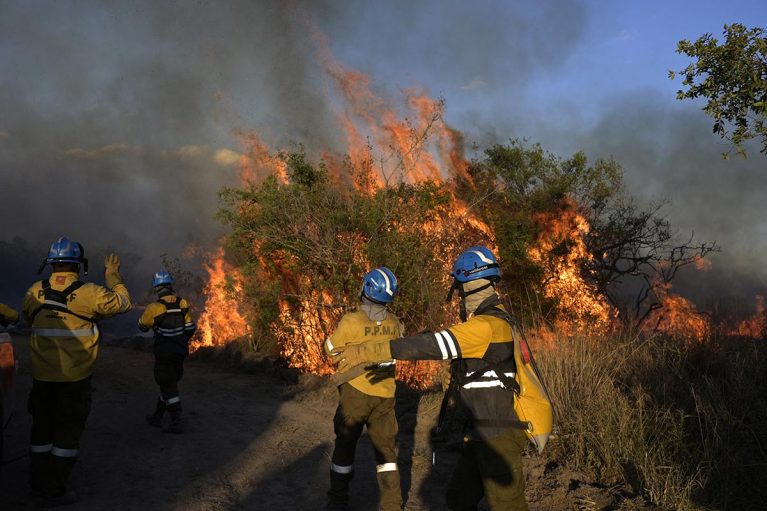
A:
(575, 246)
(403, 195)
(304, 245)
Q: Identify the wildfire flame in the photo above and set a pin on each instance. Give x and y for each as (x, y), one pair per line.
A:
(421, 147)
(677, 317)
(221, 320)
(583, 307)
(755, 326)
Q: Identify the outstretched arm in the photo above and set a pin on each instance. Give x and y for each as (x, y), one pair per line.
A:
(8, 316)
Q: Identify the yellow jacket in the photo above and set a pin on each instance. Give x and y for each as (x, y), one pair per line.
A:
(8, 316)
(156, 309)
(356, 327)
(64, 341)
(172, 322)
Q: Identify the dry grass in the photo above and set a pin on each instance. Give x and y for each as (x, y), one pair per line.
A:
(685, 425)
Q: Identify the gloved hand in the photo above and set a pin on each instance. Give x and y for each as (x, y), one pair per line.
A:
(380, 372)
(8, 316)
(353, 355)
(112, 264)
(112, 271)
(445, 376)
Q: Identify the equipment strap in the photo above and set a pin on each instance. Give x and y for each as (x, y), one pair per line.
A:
(509, 383)
(445, 400)
(175, 304)
(57, 300)
(500, 369)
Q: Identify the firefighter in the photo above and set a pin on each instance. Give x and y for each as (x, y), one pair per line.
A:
(8, 316)
(367, 399)
(481, 349)
(173, 326)
(63, 312)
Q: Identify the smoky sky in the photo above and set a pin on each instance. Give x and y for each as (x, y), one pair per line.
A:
(119, 120)
(668, 154)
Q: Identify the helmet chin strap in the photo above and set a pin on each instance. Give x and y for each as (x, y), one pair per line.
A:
(457, 286)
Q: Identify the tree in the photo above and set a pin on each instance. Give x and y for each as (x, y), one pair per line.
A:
(563, 218)
(732, 76)
(303, 245)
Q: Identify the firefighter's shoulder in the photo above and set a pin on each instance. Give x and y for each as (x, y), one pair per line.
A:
(473, 336)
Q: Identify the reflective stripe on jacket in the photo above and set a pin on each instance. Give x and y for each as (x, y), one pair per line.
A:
(172, 322)
(482, 351)
(64, 340)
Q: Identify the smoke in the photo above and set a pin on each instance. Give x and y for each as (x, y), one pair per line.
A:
(668, 153)
(120, 121)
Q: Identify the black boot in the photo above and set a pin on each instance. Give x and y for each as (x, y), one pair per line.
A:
(155, 419)
(56, 492)
(65, 499)
(176, 425)
(38, 473)
(338, 494)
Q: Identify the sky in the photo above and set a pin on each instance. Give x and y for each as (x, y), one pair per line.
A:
(119, 121)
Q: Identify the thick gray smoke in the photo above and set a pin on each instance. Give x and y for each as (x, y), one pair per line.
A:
(668, 153)
(117, 119)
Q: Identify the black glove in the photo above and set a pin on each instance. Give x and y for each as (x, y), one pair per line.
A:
(379, 372)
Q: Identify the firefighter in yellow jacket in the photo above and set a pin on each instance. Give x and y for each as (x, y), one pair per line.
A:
(173, 326)
(8, 316)
(367, 399)
(63, 312)
(481, 349)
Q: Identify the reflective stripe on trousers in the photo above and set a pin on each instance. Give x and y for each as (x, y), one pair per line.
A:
(39, 449)
(341, 469)
(64, 453)
(386, 467)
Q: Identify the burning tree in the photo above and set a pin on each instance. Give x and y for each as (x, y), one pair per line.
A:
(305, 244)
(306, 225)
(576, 247)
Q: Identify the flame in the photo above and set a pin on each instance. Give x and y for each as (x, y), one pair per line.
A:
(221, 320)
(258, 161)
(301, 331)
(755, 326)
(582, 306)
(418, 146)
(677, 317)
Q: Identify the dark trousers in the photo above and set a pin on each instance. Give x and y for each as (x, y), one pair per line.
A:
(355, 411)
(168, 371)
(490, 469)
(59, 411)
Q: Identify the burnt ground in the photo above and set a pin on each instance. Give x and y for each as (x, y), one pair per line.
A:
(258, 440)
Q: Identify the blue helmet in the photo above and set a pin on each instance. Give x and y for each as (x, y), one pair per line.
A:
(476, 263)
(63, 250)
(162, 278)
(379, 285)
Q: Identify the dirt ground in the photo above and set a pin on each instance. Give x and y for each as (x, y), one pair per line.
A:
(257, 440)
